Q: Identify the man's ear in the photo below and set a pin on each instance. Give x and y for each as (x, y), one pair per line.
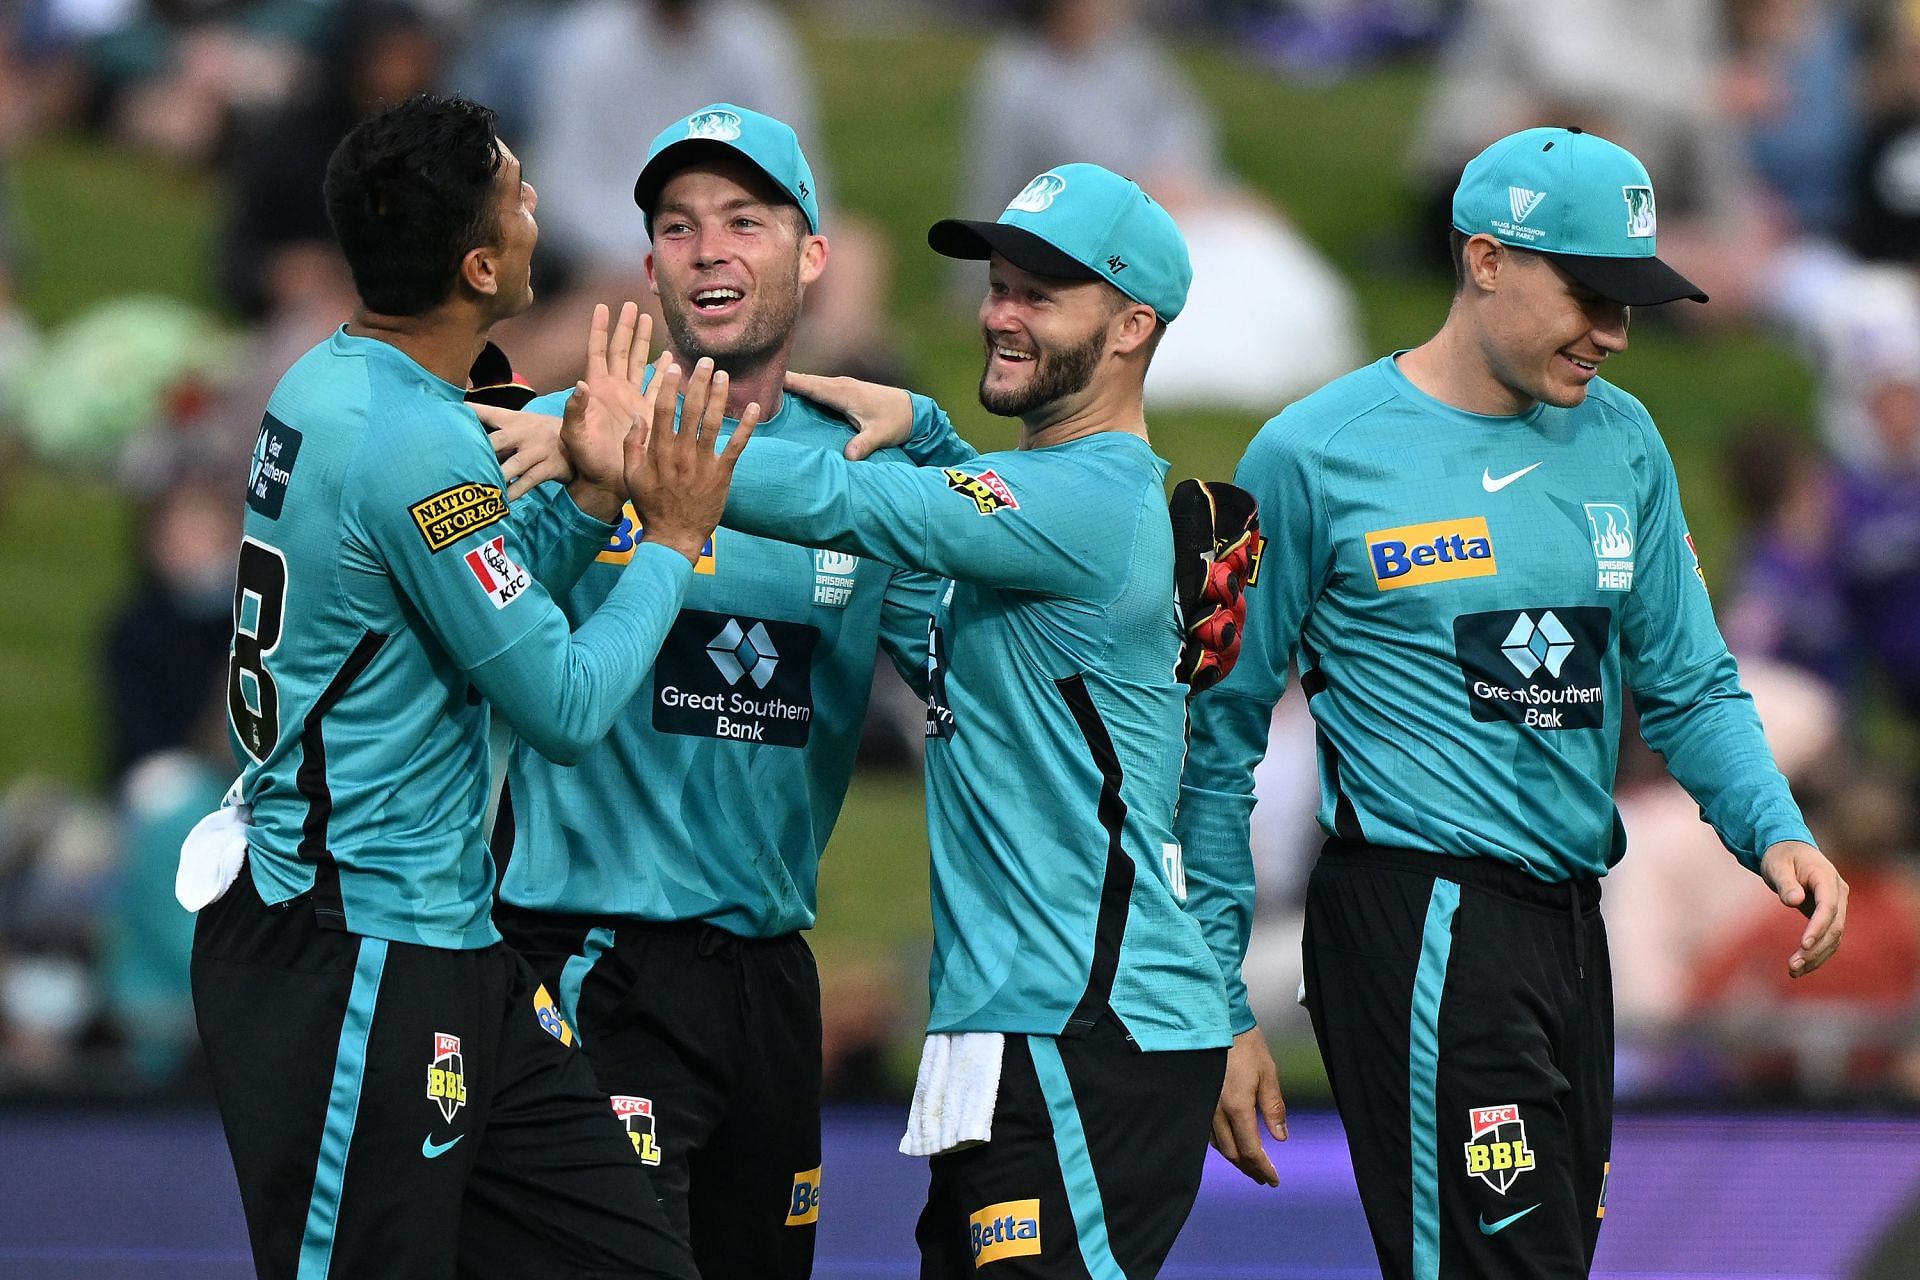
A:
(1132, 328)
(653, 280)
(1485, 259)
(813, 258)
(480, 271)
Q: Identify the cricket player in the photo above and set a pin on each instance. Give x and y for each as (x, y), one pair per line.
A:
(1078, 1024)
(661, 884)
(1476, 549)
(400, 1096)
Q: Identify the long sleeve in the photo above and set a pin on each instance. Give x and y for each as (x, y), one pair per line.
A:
(467, 581)
(1687, 686)
(1013, 520)
(1229, 723)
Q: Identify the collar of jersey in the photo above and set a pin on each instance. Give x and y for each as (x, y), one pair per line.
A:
(1390, 367)
(376, 349)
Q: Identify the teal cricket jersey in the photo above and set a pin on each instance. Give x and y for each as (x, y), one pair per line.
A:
(715, 794)
(386, 594)
(1467, 597)
(1054, 722)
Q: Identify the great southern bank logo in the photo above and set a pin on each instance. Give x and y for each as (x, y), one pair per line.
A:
(1532, 645)
(740, 654)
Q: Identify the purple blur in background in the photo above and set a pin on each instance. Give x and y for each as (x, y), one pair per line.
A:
(126, 1193)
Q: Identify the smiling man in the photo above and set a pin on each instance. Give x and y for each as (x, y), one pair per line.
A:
(662, 885)
(1078, 1024)
(1482, 538)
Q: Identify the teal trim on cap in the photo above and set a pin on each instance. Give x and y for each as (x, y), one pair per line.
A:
(1076, 1164)
(574, 973)
(1108, 224)
(1558, 191)
(343, 1109)
(1423, 1075)
(768, 144)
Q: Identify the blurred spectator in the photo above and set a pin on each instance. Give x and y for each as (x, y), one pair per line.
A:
(613, 74)
(147, 940)
(165, 651)
(1791, 85)
(1852, 1029)
(1084, 82)
(1877, 539)
(277, 251)
(1786, 604)
(56, 851)
(1886, 179)
(1678, 890)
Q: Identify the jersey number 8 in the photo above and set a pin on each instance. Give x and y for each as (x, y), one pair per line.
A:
(259, 607)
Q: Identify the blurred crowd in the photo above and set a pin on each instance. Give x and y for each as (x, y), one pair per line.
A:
(1785, 136)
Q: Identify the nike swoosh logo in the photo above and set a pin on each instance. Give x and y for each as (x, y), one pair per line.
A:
(1491, 485)
(1490, 1228)
(431, 1149)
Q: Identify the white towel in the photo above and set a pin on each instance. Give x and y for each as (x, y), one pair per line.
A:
(213, 852)
(955, 1092)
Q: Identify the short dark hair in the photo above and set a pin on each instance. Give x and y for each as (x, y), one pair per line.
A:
(410, 192)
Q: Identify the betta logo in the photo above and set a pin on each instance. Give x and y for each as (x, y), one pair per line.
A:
(1010, 1229)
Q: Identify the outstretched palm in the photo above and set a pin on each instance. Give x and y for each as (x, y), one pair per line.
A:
(612, 399)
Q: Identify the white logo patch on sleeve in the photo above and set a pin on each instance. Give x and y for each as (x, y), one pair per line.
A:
(498, 575)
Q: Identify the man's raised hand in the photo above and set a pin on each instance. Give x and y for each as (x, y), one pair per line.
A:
(677, 482)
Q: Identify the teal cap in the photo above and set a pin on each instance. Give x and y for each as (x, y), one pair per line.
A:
(1083, 222)
(1577, 199)
(722, 128)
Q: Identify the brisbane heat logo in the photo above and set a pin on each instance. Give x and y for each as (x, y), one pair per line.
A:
(447, 1075)
(1498, 1153)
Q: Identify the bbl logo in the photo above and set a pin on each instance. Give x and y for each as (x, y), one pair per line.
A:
(804, 1207)
(1039, 193)
(987, 490)
(447, 1075)
(1498, 1153)
(636, 1117)
(1010, 1229)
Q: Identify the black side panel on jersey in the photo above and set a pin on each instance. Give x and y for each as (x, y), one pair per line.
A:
(312, 781)
(1116, 889)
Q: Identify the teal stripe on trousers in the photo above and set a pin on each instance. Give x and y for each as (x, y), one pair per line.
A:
(1076, 1163)
(343, 1108)
(1423, 1075)
(574, 972)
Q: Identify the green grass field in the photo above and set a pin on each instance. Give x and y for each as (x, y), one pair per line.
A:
(104, 223)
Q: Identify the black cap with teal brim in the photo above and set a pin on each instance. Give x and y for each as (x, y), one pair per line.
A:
(1083, 222)
(1582, 202)
(723, 129)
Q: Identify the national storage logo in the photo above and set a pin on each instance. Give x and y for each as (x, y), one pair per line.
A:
(1438, 551)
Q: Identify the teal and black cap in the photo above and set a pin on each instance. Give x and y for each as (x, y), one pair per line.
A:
(1083, 222)
(1573, 197)
(724, 129)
